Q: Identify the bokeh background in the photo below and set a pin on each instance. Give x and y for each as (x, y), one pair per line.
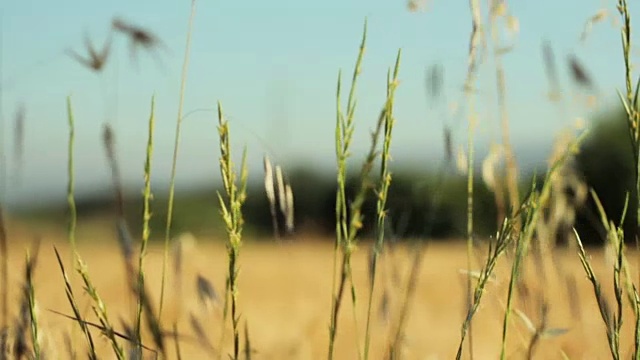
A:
(274, 67)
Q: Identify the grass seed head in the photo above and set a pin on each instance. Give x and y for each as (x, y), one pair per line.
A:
(579, 73)
(96, 60)
(138, 37)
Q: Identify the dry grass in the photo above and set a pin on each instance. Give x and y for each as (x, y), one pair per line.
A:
(286, 301)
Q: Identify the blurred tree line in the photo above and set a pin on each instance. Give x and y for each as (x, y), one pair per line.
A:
(426, 206)
(420, 205)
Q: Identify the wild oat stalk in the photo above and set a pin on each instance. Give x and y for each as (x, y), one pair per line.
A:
(343, 136)
(183, 83)
(231, 211)
(382, 193)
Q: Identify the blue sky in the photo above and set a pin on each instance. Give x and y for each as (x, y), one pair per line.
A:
(273, 65)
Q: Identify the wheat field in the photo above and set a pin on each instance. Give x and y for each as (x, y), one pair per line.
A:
(97, 291)
(285, 299)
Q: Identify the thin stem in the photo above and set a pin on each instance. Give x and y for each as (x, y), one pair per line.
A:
(146, 217)
(473, 63)
(183, 83)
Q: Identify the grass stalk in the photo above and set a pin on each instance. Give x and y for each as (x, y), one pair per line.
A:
(146, 217)
(76, 309)
(382, 194)
(98, 306)
(29, 295)
(343, 136)
(231, 211)
(176, 146)
(100, 310)
(473, 64)
(470, 245)
(603, 305)
(354, 223)
(631, 105)
(495, 251)
(125, 242)
(73, 216)
(71, 203)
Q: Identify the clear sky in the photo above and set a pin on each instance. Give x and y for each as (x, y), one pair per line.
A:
(273, 65)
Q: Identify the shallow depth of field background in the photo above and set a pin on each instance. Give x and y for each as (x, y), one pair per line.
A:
(274, 68)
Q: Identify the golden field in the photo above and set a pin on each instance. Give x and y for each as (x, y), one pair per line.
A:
(285, 292)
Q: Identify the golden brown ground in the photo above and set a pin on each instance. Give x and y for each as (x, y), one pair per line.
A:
(285, 296)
